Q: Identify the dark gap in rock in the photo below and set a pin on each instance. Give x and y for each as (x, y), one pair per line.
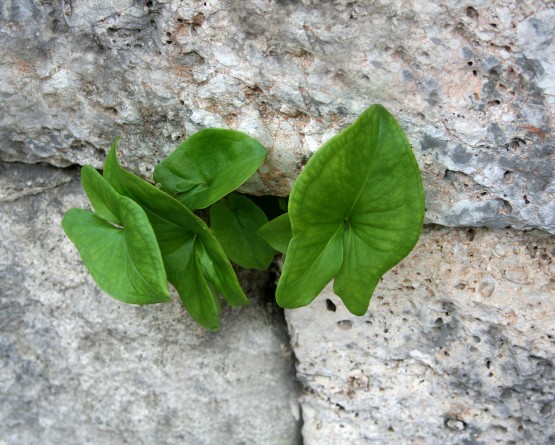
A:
(269, 279)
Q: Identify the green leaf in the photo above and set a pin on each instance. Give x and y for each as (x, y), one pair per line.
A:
(356, 210)
(277, 232)
(193, 258)
(209, 165)
(235, 221)
(117, 245)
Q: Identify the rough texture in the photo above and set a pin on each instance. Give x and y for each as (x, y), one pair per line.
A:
(458, 347)
(472, 82)
(78, 367)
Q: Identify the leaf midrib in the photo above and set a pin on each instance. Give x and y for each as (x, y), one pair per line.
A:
(367, 176)
(149, 286)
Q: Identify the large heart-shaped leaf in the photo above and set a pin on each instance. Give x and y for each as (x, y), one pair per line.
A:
(356, 210)
(235, 221)
(117, 245)
(209, 165)
(195, 262)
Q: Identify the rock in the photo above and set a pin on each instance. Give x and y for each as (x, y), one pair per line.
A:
(458, 346)
(470, 82)
(79, 367)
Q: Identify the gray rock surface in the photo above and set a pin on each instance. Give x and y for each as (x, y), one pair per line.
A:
(77, 367)
(458, 347)
(472, 82)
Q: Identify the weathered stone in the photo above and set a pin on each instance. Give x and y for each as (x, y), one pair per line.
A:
(79, 367)
(472, 83)
(458, 347)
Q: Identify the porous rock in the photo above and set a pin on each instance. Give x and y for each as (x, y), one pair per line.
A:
(77, 367)
(458, 346)
(471, 82)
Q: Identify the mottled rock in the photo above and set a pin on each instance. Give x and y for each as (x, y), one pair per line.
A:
(471, 82)
(458, 344)
(458, 347)
(78, 367)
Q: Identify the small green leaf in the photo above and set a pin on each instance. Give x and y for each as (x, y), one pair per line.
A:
(117, 245)
(193, 258)
(209, 165)
(356, 210)
(190, 281)
(277, 232)
(235, 221)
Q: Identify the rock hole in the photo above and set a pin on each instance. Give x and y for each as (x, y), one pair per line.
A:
(526, 201)
(507, 207)
(470, 234)
(494, 73)
(475, 72)
(330, 305)
(471, 13)
(507, 393)
(455, 424)
(345, 325)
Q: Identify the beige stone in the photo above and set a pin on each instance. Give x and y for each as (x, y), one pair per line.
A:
(458, 346)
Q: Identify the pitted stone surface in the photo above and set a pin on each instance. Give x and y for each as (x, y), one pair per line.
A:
(77, 367)
(472, 83)
(458, 347)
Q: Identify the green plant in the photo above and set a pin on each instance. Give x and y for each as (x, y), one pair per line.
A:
(354, 212)
(180, 246)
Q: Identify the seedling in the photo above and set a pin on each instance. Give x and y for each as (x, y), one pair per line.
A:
(355, 211)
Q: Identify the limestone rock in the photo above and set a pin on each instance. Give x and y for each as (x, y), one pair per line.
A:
(78, 367)
(472, 83)
(458, 346)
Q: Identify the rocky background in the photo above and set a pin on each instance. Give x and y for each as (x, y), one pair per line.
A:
(458, 345)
